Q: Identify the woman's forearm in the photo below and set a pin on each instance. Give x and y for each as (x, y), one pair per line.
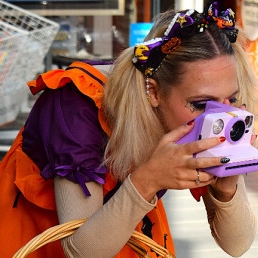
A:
(108, 227)
(233, 223)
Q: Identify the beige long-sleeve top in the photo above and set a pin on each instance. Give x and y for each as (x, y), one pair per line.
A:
(109, 226)
(233, 224)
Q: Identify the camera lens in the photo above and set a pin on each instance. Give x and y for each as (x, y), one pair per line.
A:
(237, 130)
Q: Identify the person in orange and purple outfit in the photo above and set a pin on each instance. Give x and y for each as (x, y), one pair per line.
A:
(105, 148)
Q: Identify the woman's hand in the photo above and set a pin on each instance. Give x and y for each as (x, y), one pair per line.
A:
(172, 166)
(224, 188)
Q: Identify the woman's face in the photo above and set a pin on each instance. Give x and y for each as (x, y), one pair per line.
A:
(203, 80)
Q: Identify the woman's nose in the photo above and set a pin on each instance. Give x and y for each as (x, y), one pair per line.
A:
(226, 101)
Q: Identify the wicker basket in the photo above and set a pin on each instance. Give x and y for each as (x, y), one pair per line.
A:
(67, 229)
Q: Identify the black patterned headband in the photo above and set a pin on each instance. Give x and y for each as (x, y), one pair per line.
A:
(149, 55)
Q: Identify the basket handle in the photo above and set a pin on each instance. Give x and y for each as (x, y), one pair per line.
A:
(66, 229)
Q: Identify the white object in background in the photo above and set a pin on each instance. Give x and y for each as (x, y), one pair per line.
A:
(25, 39)
(189, 4)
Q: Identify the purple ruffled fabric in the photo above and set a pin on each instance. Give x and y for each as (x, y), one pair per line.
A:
(63, 137)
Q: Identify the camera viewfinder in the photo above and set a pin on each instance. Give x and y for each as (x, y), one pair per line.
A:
(249, 121)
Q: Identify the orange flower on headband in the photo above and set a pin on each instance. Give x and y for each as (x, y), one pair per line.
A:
(171, 45)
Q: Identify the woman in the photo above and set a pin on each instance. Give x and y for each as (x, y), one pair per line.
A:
(153, 94)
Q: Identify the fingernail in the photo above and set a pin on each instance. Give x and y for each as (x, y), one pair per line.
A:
(224, 160)
(190, 122)
(222, 139)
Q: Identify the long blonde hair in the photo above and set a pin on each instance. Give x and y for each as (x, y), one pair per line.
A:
(135, 126)
(131, 119)
(247, 81)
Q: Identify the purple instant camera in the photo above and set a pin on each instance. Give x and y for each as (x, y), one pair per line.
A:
(234, 124)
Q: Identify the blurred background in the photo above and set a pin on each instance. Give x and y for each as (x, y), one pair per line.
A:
(37, 36)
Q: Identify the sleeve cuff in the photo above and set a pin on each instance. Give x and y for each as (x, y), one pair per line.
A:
(137, 195)
(235, 199)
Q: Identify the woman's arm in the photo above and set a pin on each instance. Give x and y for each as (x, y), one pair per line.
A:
(233, 223)
(108, 227)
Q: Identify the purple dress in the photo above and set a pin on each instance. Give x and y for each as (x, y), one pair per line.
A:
(63, 136)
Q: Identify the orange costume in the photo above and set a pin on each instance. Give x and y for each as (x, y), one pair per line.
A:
(27, 199)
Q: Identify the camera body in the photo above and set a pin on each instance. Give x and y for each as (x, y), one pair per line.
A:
(234, 124)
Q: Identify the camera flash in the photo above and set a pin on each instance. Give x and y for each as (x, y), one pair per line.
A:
(218, 126)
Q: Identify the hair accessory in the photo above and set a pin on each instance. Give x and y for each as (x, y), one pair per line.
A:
(226, 21)
(171, 45)
(149, 55)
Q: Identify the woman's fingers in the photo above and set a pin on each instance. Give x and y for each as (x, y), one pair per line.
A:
(253, 138)
(194, 178)
(176, 134)
(202, 163)
(173, 166)
(204, 144)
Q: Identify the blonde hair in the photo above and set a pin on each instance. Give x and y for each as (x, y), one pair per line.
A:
(135, 126)
(247, 81)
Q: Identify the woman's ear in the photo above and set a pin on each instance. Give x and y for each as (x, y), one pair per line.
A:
(153, 93)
